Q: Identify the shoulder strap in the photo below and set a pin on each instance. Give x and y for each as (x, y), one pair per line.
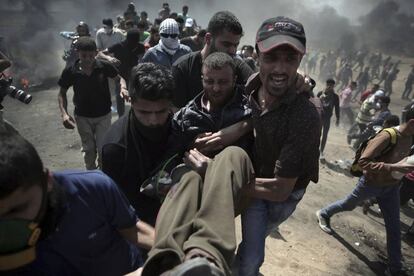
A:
(393, 141)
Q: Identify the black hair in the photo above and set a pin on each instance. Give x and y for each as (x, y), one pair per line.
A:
(224, 21)
(185, 7)
(385, 99)
(391, 121)
(154, 30)
(85, 43)
(408, 113)
(248, 48)
(144, 13)
(201, 33)
(151, 82)
(218, 60)
(20, 164)
(330, 81)
(108, 22)
(129, 22)
(141, 24)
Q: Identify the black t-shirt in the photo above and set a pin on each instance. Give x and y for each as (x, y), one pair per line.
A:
(187, 75)
(127, 56)
(91, 96)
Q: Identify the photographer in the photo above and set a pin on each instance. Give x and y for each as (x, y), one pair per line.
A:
(4, 62)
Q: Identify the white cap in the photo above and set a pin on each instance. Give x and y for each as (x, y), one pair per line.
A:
(379, 93)
(189, 22)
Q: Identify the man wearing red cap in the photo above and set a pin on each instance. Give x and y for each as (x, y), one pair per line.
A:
(287, 130)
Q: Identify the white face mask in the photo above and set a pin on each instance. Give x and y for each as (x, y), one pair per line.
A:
(170, 43)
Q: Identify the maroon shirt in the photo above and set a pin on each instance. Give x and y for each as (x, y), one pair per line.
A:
(286, 137)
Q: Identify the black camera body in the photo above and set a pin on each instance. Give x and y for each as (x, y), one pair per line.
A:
(7, 89)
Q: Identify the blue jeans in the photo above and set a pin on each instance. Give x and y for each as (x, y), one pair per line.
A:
(258, 221)
(389, 201)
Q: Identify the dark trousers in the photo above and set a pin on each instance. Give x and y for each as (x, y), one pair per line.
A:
(200, 214)
(326, 124)
(407, 91)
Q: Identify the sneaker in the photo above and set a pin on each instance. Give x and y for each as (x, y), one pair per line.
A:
(321, 157)
(195, 267)
(324, 222)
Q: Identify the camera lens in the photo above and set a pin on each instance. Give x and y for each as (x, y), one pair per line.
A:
(19, 95)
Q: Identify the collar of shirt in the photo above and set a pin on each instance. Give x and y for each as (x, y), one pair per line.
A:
(287, 99)
(96, 65)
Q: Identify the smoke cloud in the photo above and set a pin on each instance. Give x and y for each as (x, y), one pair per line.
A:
(30, 28)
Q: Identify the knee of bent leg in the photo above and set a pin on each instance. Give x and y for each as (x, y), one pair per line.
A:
(235, 153)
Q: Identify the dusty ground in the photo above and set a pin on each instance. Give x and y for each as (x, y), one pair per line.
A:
(300, 247)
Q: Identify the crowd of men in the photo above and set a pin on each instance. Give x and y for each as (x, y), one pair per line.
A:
(211, 133)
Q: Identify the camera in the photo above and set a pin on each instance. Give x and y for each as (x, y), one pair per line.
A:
(7, 89)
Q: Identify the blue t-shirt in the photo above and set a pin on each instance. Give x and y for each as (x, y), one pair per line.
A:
(86, 240)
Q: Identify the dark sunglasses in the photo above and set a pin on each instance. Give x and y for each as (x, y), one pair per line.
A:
(169, 35)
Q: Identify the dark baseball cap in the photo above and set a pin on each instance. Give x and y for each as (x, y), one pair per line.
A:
(279, 31)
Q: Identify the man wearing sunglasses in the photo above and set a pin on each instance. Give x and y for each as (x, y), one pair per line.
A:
(168, 49)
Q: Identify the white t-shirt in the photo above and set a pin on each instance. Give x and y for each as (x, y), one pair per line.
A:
(104, 40)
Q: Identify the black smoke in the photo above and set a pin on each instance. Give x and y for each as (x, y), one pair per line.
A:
(31, 28)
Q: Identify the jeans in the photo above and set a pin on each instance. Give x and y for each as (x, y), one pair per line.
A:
(258, 221)
(389, 201)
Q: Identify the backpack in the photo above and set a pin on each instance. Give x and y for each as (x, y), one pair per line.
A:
(355, 169)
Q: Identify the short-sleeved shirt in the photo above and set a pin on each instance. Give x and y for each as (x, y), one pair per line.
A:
(286, 138)
(86, 239)
(187, 75)
(91, 96)
(128, 57)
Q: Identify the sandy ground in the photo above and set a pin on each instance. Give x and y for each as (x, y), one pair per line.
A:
(300, 247)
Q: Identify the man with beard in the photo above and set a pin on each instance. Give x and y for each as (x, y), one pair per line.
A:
(134, 144)
(63, 223)
(125, 55)
(168, 49)
(224, 32)
(91, 98)
(221, 104)
(287, 130)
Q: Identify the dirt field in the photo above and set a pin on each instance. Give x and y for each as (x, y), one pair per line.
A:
(300, 247)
